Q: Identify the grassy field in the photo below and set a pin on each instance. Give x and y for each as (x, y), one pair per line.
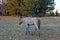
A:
(11, 30)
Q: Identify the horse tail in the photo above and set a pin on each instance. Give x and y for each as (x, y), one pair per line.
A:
(39, 23)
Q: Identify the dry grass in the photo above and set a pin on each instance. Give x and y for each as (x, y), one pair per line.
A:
(11, 30)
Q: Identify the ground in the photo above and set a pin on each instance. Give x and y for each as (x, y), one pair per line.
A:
(11, 30)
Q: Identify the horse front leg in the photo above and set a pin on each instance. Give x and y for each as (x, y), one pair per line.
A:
(27, 29)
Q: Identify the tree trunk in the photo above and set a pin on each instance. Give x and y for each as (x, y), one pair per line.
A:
(43, 12)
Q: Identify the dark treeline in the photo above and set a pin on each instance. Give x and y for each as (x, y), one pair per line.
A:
(34, 7)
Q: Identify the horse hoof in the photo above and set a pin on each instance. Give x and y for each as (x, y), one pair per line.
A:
(25, 33)
(32, 34)
(39, 34)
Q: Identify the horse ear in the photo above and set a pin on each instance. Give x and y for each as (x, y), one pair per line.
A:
(20, 23)
(20, 16)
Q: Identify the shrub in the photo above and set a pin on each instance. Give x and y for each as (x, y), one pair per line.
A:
(52, 14)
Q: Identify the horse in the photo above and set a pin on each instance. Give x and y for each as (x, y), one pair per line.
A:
(29, 21)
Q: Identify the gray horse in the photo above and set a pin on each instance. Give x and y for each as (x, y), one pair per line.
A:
(29, 21)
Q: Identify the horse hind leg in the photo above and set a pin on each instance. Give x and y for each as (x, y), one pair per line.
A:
(39, 34)
(39, 30)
